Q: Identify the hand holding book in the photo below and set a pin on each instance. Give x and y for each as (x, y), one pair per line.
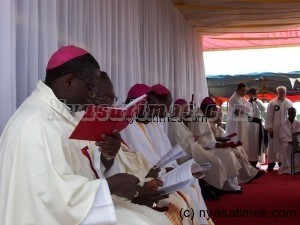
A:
(182, 176)
(175, 153)
(99, 120)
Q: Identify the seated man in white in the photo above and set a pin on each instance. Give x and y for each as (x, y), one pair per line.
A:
(179, 133)
(137, 138)
(247, 172)
(126, 161)
(46, 178)
(200, 128)
(290, 126)
(214, 176)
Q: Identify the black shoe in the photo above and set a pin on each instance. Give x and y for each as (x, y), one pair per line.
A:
(253, 163)
(233, 192)
(270, 166)
(209, 194)
(218, 192)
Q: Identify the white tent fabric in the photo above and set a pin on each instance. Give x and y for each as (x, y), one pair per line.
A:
(7, 61)
(240, 24)
(133, 40)
(216, 17)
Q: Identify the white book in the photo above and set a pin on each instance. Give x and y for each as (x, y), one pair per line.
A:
(180, 177)
(133, 102)
(175, 153)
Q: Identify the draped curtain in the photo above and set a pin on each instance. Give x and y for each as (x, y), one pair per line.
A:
(135, 41)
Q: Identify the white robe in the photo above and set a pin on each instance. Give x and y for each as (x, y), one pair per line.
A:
(239, 124)
(179, 133)
(247, 171)
(137, 138)
(205, 137)
(255, 148)
(286, 133)
(134, 163)
(45, 178)
(274, 120)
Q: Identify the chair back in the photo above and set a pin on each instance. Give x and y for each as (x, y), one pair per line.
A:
(296, 141)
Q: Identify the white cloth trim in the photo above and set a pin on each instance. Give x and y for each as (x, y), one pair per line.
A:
(102, 211)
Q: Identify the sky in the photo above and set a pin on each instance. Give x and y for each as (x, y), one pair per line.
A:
(235, 62)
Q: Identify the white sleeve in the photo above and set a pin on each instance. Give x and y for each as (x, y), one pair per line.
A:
(261, 106)
(269, 116)
(102, 211)
(100, 168)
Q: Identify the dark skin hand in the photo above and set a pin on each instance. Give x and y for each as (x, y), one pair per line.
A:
(154, 184)
(149, 194)
(271, 134)
(237, 112)
(109, 148)
(153, 173)
(124, 185)
(148, 200)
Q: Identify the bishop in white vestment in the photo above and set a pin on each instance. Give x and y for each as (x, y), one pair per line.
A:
(45, 178)
(204, 136)
(150, 140)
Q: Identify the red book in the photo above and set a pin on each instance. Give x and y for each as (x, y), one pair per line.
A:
(232, 144)
(228, 145)
(99, 120)
(239, 143)
(232, 135)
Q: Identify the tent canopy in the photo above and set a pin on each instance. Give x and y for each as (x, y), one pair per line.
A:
(223, 86)
(234, 24)
(252, 40)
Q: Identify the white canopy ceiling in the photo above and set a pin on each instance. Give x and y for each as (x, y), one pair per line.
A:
(231, 16)
(240, 24)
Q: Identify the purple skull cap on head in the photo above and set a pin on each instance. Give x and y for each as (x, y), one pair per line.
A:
(138, 90)
(63, 55)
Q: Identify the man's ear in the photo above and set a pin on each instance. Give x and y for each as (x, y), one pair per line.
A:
(69, 78)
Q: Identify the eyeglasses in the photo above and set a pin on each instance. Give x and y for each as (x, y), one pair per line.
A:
(93, 91)
(92, 88)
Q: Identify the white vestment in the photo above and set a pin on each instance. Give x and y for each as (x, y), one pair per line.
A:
(286, 133)
(134, 163)
(180, 134)
(137, 138)
(44, 176)
(205, 137)
(276, 115)
(239, 123)
(247, 172)
(255, 146)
